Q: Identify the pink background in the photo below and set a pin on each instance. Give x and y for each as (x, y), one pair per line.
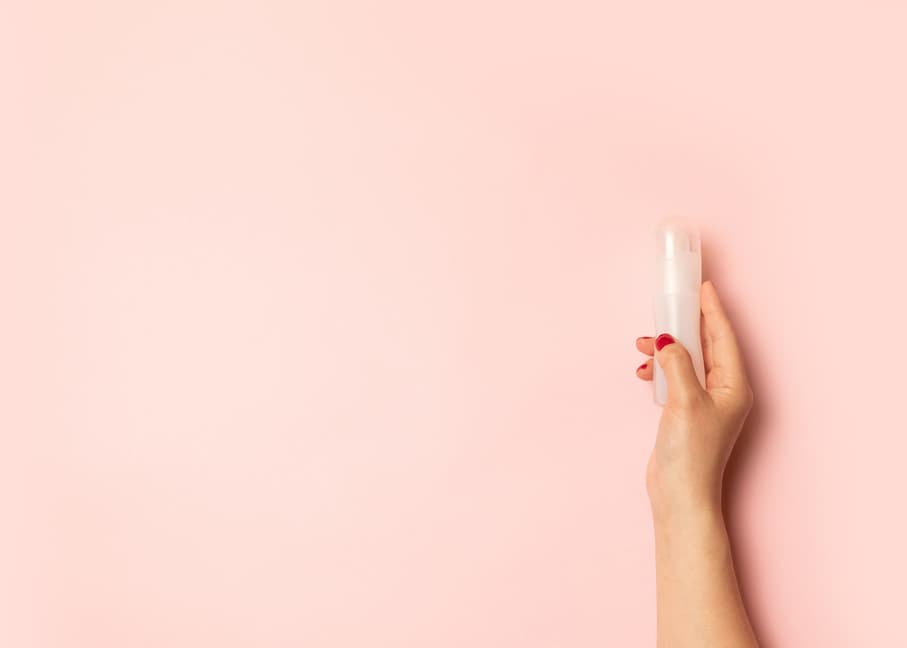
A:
(318, 318)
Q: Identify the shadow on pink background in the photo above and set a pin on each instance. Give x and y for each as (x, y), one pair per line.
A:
(318, 317)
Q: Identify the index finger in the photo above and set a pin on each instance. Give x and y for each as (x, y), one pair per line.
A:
(721, 353)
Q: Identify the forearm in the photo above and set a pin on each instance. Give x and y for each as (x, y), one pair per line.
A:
(699, 603)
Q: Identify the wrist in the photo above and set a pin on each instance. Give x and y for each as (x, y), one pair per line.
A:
(677, 493)
(684, 505)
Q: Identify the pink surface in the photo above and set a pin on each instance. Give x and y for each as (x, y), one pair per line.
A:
(318, 318)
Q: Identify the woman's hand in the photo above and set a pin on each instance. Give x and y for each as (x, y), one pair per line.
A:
(698, 426)
(699, 603)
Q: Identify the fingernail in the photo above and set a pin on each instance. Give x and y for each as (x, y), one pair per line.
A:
(663, 340)
(645, 337)
(642, 366)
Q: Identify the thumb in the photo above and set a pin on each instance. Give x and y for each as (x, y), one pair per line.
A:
(677, 366)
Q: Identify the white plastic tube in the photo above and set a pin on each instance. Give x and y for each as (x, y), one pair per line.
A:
(678, 276)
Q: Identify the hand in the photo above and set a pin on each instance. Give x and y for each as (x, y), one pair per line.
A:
(698, 426)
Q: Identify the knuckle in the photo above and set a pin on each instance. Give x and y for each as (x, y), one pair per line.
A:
(673, 352)
(744, 399)
(750, 398)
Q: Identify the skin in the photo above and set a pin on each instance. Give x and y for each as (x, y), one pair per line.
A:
(699, 603)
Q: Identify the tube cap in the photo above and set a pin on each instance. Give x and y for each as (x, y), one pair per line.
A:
(678, 258)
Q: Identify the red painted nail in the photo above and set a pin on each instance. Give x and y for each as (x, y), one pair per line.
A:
(663, 340)
(642, 366)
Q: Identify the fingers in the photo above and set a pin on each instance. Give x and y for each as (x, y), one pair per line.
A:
(723, 360)
(644, 371)
(725, 371)
(646, 345)
(675, 362)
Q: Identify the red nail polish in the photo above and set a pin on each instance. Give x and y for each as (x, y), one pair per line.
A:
(663, 340)
(642, 366)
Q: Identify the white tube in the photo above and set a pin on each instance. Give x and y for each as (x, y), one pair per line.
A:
(678, 276)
